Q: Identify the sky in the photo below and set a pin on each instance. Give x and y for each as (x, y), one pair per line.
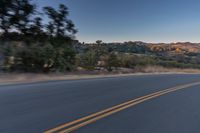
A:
(133, 20)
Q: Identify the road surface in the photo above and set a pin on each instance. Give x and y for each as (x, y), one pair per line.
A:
(43, 107)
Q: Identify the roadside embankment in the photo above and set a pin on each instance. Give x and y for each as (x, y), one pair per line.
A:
(14, 78)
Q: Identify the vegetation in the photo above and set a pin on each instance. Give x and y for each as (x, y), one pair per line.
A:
(27, 44)
(138, 54)
(30, 45)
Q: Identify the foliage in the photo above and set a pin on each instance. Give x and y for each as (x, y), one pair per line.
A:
(134, 54)
(28, 44)
(39, 47)
(112, 61)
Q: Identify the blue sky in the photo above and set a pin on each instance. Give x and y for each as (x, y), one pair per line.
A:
(133, 20)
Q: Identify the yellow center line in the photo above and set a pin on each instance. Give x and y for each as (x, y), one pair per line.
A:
(99, 115)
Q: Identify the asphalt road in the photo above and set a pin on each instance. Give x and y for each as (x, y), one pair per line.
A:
(38, 107)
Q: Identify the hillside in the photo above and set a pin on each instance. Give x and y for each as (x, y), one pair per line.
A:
(112, 56)
(181, 54)
(185, 48)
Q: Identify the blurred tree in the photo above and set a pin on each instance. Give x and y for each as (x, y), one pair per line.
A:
(98, 42)
(20, 13)
(112, 61)
(89, 59)
(37, 49)
(36, 27)
(59, 22)
(61, 31)
(5, 7)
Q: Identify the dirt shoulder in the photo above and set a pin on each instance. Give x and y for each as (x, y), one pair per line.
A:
(31, 78)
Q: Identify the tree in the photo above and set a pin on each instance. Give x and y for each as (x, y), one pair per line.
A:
(50, 29)
(15, 14)
(59, 22)
(21, 12)
(128, 60)
(36, 27)
(112, 61)
(89, 59)
(38, 49)
(5, 7)
(36, 58)
(61, 31)
(37, 32)
(98, 42)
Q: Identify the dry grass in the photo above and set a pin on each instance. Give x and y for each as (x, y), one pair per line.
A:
(157, 69)
(29, 78)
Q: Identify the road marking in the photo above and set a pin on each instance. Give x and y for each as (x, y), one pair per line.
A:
(74, 125)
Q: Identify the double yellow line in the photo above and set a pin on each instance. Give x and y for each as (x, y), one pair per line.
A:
(74, 125)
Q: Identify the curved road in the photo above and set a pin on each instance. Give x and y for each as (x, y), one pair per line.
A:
(39, 107)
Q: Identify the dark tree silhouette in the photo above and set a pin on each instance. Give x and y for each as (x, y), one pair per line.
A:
(36, 29)
(5, 7)
(35, 46)
(20, 15)
(59, 25)
(15, 17)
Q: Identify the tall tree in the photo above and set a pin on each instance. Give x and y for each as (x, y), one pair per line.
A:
(16, 14)
(34, 50)
(36, 28)
(59, 25)
(61, 30)
(5, 7)
(21, 13)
